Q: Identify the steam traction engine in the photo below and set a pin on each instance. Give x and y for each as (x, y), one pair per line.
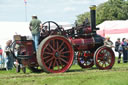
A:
(57, 48)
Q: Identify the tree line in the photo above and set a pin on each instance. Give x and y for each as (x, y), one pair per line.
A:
(110, 10)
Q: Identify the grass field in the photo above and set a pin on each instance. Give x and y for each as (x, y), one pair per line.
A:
(118, 75)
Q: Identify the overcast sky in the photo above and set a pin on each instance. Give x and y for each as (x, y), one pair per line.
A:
(56, 10)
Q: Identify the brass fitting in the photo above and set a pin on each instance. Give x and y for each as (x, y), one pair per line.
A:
(93, 7)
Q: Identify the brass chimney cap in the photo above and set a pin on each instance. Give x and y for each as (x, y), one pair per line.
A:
(93, 7)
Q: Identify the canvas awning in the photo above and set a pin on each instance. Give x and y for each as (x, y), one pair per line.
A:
(113, 27)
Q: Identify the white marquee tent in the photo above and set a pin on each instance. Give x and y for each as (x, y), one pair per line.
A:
(114, 29)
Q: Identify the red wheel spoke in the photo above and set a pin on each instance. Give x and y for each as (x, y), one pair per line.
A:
(61, 49)
(101, 54)
(53, 44)
(49, 60)
(65, 52)
(60, 62)
(86, 63)
(105, 64)
(54, 63)
(63, 60)
(100, 61)
(51, 47)
(102, 64)
(57, 45)
(100, 58)
(50, 64)
(57, 65)
(63, 56)
(48, 49)
(48, 53)
(109, 61)
(46, 57)
(105, 51)
(109, 57)
(61, 45)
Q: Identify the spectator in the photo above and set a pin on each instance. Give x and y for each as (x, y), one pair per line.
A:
(124, 46)
(1, 55)
(118, 48)
(35, 27)
(9, 57)
(108, 42)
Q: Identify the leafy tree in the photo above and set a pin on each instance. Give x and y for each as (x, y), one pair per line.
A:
(82, 17)
(110, 10)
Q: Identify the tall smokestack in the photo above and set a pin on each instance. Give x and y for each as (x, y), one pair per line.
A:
(93, 18)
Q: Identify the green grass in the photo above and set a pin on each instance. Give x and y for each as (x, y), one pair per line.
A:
(118, 75)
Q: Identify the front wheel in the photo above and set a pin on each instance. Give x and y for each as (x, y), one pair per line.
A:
(104, 58)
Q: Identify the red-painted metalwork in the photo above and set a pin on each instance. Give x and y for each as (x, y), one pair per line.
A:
(25, 50)
(82, 43)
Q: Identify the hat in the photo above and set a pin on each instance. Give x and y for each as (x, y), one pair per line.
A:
(118, 38)
(108, 37)
(34, 15)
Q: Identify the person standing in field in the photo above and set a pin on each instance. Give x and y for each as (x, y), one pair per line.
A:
(1, 51)
(119, 49)
(108, 42)
(35, 27)
(125, 49)
(9, 56)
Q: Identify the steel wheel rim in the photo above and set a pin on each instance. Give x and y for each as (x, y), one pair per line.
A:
(57, 55)
(105, 58)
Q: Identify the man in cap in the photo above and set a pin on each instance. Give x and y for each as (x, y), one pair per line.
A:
(35, 27)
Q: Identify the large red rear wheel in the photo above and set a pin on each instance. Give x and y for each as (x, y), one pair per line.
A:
(85, 59)
(104, 58)
(55, 54)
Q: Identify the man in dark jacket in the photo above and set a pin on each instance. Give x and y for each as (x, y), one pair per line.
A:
(117, 49)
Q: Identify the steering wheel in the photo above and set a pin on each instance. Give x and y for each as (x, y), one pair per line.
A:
(52, 27)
